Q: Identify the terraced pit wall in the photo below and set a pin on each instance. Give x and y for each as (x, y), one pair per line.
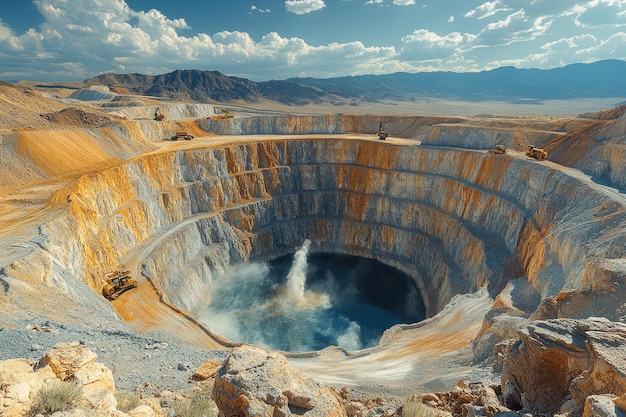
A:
(454, 220)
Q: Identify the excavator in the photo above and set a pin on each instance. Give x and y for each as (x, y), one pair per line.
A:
(117, 283)
(382, 133)
(536, 153)
(158, 116)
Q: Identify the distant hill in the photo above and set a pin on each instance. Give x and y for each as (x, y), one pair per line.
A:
(601, 79)
(208, 86)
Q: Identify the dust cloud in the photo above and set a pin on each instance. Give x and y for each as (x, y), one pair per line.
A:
(306, 302)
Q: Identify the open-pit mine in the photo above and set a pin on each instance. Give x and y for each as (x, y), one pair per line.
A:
(486, 243)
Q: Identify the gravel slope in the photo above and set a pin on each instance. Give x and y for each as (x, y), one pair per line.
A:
(141, 364)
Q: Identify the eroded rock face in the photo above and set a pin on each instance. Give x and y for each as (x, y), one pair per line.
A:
(552, 360)
(452, 219)
(254, 382)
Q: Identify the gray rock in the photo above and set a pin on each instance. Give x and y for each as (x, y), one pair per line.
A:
(601, 406)
(554, 358)
(254, 382)
(183, 367)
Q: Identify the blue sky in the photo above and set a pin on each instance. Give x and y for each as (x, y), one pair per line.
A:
(64, 40)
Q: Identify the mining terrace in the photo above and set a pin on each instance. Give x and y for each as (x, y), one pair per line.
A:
(491, 241)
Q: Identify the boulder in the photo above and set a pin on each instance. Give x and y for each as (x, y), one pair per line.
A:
(101, 400)
(552, 360)
(154, 404)
(94, 377)
(66, 358)
(254, 382)
(142, 411)
(207, 370)
(608, 371)
(601, 406)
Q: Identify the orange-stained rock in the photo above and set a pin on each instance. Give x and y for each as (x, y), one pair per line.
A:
(557, 358)
(208, 369)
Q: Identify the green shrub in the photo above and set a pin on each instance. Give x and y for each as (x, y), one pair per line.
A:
(415, 408)
(127, 401)
(57, 396)
(200, 405)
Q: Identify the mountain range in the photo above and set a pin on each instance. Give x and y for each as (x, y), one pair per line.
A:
(601, 79)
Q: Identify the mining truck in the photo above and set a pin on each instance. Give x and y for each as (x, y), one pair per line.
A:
(536, 153)
(117, 283)
(181, 134)
(499, 150)
(382, 133)
(158, 116)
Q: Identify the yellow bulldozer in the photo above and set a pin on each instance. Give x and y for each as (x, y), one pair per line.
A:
(225, 114)
(536, 153)
(117, 283)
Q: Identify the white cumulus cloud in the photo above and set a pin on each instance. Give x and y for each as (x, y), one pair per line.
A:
(425, 45)
(304, 6)
(487, 9)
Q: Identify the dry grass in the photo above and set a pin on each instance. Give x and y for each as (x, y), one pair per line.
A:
(57, 396)
(127, 401)
(415, 408)
(200, 405)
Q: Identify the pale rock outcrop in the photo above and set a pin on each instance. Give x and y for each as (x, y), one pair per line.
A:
(19, 383)
(602, 406)
(254, 382)
(142, 411)
(21, 380)
(552, 360)
(154, 404)
(172, 111)
(608, 371)
(73, 360)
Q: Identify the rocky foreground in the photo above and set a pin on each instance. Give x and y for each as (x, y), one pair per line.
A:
(557, 367)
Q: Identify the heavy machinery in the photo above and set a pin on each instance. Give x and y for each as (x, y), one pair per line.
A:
(499, 150)
(117, 283)
(158, 116)
(225, 114)
(382, 133)
(536, 153)
(182, 134)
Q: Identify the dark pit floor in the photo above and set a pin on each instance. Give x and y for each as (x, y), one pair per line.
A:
(305, 302)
